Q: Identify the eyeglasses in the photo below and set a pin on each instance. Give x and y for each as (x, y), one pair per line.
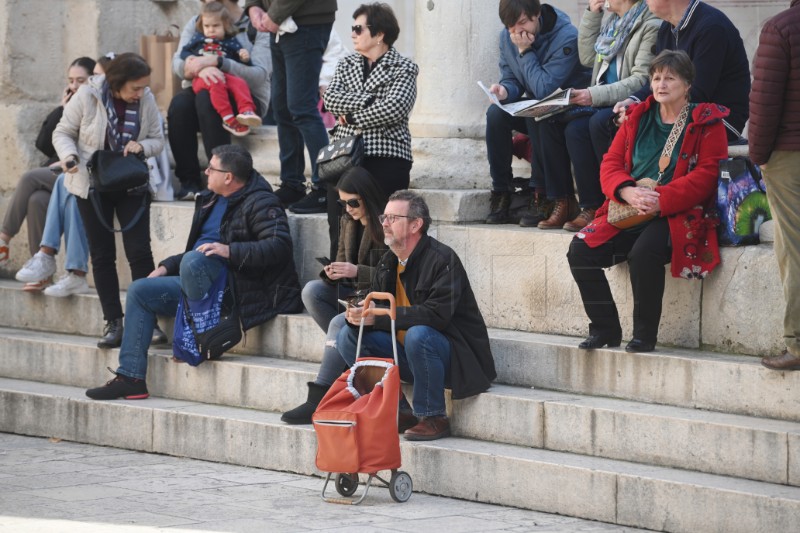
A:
(358, 28)
(217, 169)
(352, 202)
(391, 218)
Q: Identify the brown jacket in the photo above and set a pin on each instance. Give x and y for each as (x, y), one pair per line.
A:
(775, 96)
(364, 253)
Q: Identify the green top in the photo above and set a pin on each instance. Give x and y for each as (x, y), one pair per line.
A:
(650, 141)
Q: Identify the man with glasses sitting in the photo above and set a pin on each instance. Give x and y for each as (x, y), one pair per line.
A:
(442, 338)
(238, 225)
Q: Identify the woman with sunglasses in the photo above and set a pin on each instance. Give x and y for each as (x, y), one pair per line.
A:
(360, 249)
(372, 93)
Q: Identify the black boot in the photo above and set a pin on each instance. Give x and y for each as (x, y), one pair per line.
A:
(498, 208)
(539, 209)
(302, 413)
(112, 334)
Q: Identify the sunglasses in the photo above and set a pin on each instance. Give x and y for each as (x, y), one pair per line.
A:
(352, 202)
(358, 28)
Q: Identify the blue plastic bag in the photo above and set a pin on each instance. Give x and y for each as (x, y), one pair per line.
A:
(741, 202)
(205, 313)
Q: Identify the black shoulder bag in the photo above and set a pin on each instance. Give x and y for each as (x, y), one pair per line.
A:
(114, 172)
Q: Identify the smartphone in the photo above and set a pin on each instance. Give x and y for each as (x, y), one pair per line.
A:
(56, 170)
(324, 261)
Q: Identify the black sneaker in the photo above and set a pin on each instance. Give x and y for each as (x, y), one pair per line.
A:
(120, 387)
(112, 334)
(315, 201)
(288, 195)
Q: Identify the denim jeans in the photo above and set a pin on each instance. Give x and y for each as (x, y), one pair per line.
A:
(424, 360)
(63, 218)
(320, 299)
(149, 297)
(296, 63)
(587, 166)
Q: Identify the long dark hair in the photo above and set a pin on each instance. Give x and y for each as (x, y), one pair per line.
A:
(359, 181)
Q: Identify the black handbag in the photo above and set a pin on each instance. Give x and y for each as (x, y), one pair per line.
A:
(114, 172)
(339, 157)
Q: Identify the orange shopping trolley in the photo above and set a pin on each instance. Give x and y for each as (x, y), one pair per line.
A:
(356, 421)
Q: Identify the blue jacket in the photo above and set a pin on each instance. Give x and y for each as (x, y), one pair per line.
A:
(551, 63)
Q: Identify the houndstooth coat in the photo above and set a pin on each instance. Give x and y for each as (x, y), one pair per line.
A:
(379, 106)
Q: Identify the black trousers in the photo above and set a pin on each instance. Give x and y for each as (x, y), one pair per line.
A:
(391, 173)
(647, 253)
(188, 114)
(103, 248)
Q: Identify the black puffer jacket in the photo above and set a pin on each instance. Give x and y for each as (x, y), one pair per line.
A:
(261, 260)
(441, 297)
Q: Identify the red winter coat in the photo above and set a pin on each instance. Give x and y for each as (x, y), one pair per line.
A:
(775, 96)
(694, 242)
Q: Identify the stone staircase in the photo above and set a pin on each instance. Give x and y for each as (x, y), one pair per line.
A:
(696, 436)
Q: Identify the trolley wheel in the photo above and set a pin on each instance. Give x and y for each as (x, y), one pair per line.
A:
(346, 484)
(400, 486)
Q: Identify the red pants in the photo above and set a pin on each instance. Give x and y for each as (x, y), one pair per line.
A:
(219, 93)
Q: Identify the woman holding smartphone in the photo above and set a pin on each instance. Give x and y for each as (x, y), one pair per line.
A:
(360, 249)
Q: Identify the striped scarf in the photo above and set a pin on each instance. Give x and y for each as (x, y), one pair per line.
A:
(614, 32)
(130, 125)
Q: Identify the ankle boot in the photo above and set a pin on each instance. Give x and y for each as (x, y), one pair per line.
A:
(302, 413)
(538, 210)
(582, 220)
(498, 208)
(563, 212)
(112, 334)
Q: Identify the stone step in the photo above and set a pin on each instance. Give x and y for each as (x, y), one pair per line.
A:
(670, 376)
(692, 439)
(588, 487)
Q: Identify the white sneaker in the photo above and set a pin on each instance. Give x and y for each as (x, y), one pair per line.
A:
(37, 268)
(68, 284)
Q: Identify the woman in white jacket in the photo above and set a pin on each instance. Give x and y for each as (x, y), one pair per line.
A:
(112, 112)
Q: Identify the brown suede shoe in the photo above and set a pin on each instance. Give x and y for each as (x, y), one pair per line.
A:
(563, 211)
(578, 223)
(785, 361)
(430, 428)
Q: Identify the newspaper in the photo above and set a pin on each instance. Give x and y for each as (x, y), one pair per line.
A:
(550, 105)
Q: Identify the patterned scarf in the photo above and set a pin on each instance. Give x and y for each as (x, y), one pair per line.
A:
(130, 124)
(615, 31)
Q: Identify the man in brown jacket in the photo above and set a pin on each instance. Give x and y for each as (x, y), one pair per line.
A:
(775, 145)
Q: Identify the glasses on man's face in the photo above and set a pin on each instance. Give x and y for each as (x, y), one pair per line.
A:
(391, 219)
(352, 202)
(216, 169)
(358, 28)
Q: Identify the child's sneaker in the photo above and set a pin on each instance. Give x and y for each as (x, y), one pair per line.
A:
(235, 128)
(250, 119)
(39, 267)
(68, 284)
(3, 253)
(120, 387)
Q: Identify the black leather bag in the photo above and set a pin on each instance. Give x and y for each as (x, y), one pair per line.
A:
(339, 157)
(113, 172)
(223, 336)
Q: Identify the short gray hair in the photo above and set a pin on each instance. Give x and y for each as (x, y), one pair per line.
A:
(417, 208)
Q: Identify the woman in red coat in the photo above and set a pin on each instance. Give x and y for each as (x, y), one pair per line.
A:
(680, 232)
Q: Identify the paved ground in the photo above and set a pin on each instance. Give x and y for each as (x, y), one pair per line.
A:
(54, 486)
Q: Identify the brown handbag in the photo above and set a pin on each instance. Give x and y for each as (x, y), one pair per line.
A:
(624, 216)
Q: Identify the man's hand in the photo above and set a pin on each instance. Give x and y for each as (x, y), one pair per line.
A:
(212, 75)
(353, 315)
(262, 21)
(499, 91)
(596, 6)
(215, 248)
(522, 40)
(580, 97)
(158, 272)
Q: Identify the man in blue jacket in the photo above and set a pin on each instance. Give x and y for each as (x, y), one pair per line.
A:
(538, 54)
(238, 225)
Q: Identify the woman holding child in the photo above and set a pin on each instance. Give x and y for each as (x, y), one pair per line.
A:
(360, 249)
(678, 230)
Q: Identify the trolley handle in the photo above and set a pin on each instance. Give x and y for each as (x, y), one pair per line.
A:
(378, 311)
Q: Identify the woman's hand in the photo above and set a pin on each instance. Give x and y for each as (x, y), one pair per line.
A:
(644, 199)
(158, 272)
(499, 91)
(132, 147)
(69, 165)
(339, 270)
(65, 96)
(212, 75)
(596, 6)
(215, 248)
(580, 97)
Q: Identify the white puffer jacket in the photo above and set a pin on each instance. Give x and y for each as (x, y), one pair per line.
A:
(82, 131)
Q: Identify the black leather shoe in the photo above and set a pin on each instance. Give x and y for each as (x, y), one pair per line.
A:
(598, 341)
(112, 334)
(640, 346)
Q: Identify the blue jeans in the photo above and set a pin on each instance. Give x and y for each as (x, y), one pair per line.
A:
(63, 218)
(148, 297)
(296, 63)
(583, 154)
(320, 299)
(424, 360)
(500, 127)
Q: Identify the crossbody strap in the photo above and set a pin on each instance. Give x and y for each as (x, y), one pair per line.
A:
(672, 140)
